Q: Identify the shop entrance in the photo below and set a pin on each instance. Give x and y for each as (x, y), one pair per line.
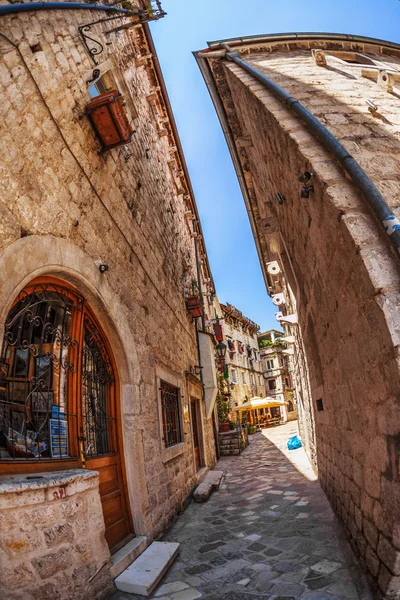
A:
(59, 401)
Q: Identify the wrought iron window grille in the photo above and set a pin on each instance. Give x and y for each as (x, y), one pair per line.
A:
(56, 377)
(171, 416)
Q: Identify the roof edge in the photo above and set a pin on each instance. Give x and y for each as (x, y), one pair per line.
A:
(292, 36)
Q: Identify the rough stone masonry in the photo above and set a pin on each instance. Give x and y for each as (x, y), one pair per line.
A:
(338, 271)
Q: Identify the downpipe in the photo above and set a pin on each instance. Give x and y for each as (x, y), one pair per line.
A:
(360, 179)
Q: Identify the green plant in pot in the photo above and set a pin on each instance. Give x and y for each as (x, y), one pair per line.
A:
(223, 411)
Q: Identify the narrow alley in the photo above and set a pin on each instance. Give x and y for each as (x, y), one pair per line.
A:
(268, 533)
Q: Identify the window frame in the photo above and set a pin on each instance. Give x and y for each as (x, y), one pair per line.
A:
(111, 65)
(170, 452)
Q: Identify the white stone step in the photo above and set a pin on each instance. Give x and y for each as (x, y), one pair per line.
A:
(143, 575)
(127, 554)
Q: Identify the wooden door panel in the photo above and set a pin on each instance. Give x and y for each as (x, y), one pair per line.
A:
(100, 423)
(108, 479)
(117, 533)
(196, 432)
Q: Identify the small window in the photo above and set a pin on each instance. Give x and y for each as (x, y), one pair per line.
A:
(272, 384)
(172, 431)
(270, 364)
(234, 377)
(259, 380)
(252, 380)
(105, 83)
(244, 378)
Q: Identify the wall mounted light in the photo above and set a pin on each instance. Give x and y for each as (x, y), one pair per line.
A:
(220, 349)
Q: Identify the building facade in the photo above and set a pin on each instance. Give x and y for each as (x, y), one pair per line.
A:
(243, 365)
(106, 425)
(277, 371)
(312, 124)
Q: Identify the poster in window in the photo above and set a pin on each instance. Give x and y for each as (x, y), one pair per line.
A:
(21, 363)
(17, 391)
(42, 401)
(4, 368)
(43, 371)
(58, 438)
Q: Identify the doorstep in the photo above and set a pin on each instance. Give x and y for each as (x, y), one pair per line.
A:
(127, 554)
(145, 573)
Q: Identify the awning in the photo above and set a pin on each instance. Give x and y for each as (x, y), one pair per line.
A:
(258, 402)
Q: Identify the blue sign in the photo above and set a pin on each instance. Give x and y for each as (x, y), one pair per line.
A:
(58, 438)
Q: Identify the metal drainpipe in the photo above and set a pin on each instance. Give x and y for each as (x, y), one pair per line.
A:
(377, 202)
(196, 251)
(35, 6)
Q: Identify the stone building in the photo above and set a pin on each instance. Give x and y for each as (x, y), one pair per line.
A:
(244, 375)
(277, 371)
(105, 424)
(312, 122)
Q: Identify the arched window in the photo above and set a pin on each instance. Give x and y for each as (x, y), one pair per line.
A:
(57, 383)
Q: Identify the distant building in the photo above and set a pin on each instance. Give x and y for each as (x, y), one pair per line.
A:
(243, 362)
(277, 373)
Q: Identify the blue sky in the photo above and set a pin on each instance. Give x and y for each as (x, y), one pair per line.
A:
(187, 27)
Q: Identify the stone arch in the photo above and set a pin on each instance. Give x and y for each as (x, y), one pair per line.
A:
(34, 256)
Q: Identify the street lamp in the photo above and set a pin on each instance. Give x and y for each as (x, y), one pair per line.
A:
(220, 349)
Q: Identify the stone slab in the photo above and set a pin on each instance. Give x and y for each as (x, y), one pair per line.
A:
(210, 483)
(144, 574)
(126, 555)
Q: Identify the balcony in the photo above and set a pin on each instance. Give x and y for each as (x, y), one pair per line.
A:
(152, 10)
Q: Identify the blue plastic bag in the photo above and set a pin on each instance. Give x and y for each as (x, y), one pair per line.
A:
(294, 443)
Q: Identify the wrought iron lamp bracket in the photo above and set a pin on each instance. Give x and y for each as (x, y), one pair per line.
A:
(92, 46)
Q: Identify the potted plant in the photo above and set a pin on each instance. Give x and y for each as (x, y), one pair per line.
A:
(223, 411)
(194, 302)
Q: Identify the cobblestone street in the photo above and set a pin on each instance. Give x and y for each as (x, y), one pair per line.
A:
(268, 533)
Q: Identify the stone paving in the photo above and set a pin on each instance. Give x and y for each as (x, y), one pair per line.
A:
(268, 533)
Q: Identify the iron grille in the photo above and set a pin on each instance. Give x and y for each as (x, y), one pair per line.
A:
(38, 360)
(170, 414)
(97, 393)
(153, 9)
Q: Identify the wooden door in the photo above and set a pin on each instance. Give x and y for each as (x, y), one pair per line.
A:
(195, 413)
(99, 429)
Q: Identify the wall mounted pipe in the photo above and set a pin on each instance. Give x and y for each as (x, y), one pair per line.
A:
(360, 179)
(10, 9)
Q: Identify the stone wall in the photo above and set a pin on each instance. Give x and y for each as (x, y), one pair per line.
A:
(52, 541)
(343, 273)
(65, 209)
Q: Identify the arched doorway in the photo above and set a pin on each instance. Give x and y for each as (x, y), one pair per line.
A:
(59, 400)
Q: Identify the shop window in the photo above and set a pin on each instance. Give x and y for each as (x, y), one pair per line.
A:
(56, 378)
(171, 418)
(272, 384)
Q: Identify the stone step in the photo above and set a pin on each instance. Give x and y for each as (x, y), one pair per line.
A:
(210, 483)
(144, 574)
(233, 452)
(224, 443)
(126, 555)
